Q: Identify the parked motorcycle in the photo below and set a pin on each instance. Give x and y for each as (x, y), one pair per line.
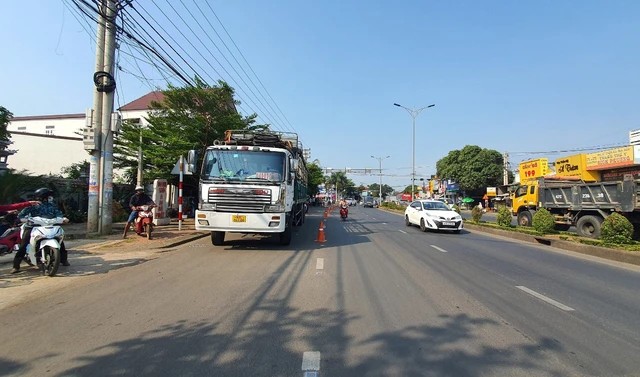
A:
(43, 249)
(10, 237)
(344, 212)
(144, 221)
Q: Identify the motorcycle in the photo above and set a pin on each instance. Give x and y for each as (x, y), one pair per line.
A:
(344, 212)
(43, 249)
(10, 237)
(144, 221)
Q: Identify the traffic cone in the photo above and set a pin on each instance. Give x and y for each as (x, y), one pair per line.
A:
(320, 237)
(326, 214)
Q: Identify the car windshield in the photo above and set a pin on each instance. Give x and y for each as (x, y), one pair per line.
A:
(243, 165)
(436, 205)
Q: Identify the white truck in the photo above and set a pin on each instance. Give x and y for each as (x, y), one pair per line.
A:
(253, 182)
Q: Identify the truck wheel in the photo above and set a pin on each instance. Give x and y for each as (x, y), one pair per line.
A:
(285, 237)
(217, 238)
(524, 218)
(589, 226)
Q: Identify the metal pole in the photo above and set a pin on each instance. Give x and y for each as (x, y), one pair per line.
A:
(181, 166)
(106, 196)
(139, 180)
(94, 167)
(380, 174)
(414, 114)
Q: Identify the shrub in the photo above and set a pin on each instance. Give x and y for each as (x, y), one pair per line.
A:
(616, 229)
(504, 217)
(456, 208)
(476, 214)
(543, 221)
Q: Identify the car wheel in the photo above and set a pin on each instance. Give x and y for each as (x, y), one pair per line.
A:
(422, 225)
(406, 220)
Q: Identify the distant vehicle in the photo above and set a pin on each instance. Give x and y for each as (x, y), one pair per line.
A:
(368, 202)
(447, 201)
(432, 214)
(352, 202)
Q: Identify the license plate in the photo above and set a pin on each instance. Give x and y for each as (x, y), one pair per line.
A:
(448, 223)
(239, 218)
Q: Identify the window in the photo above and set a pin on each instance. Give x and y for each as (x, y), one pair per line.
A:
(23, 128)
(50, 127)
(49, 130)
(532, 190)
(521, 191)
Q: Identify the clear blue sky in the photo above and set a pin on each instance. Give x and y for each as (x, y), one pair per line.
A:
(514, 76)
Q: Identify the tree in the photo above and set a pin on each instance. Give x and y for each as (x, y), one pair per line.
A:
(316, 178)
(75, 170)
(386, 190)
(473, 168)
(187, 118)
(344, 183)
(5, 118)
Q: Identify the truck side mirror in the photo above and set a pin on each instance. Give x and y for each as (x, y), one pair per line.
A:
(192, 157)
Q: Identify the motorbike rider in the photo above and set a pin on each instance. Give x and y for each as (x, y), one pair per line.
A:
(47, 209)
(8, 212)
(344, 206)
(137, 199)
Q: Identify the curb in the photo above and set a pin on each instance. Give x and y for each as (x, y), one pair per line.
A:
(182, 241)
(596, 251)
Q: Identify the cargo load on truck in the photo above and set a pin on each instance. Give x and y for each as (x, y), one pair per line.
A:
(252, 182)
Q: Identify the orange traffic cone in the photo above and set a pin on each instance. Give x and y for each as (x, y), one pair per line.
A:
(320, 237)
(326, 214)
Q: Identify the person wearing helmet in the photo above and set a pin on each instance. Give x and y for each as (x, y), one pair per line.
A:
(47, 209)
(138, 199)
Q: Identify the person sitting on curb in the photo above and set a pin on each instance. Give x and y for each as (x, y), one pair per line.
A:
(137, 199)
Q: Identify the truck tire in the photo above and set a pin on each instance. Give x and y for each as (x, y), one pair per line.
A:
(285, 237)
(524, 218)
(217, 238)
(589, 226)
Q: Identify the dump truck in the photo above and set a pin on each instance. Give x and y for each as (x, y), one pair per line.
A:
(576, 194)
(252, 182)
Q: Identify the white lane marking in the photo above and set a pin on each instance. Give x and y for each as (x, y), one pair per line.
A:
(311, 360)
(545, 298)
(402, 231)
(439, 248)
(384, 223)
(320, 264)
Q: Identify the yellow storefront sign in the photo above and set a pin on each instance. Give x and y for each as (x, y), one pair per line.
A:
(576, 166)
(610, 158)
(533, 168)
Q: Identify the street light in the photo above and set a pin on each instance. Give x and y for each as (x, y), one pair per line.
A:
(414, 114)
(380, 173)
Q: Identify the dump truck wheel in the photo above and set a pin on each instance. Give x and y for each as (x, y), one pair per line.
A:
(524, 218)
(589, 226)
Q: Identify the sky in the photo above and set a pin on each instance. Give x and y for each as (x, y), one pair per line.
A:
(514, 76)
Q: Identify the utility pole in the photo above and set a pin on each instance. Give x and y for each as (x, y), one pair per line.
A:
(139, 180)
(505, 176)
(106, 138)
(96, 127)
(380, 175)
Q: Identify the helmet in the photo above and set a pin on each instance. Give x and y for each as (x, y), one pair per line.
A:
(43, 193)
(139, 188)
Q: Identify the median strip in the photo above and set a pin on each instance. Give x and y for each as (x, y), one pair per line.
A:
(545, 298)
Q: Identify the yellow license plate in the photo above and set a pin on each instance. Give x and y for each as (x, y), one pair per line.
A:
(239, 218)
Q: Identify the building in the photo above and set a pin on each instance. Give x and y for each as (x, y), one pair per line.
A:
(44, 144)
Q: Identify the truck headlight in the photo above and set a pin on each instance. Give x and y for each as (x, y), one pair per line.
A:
(207, 206)
(274, 208)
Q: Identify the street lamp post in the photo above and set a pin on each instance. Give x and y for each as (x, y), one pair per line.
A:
(414, 114)
(380, 174)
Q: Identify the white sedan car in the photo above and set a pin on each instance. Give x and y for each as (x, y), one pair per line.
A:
(432, 214)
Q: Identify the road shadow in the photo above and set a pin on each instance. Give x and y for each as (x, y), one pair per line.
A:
(10, 367)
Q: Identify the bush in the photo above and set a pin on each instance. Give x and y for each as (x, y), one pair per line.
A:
(543, 221)
(476, 214)
(616, 229)
(456, 208)
(504, 217)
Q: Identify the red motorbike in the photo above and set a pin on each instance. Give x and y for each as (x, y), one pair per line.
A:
(10, 237)
(344, 212)
(144, 221)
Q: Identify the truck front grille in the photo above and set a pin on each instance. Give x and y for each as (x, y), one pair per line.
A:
(245, 201)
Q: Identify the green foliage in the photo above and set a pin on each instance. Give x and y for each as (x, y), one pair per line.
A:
(543, 221)
(476, 214)
(315, 178)
(15, 187)
(472, 167)
(393, 206)
(188, 118)
(456, 208)
(76, 170)
(616, 229)
(5, 118)
(345, 185)
(375, 190)
(504, 216)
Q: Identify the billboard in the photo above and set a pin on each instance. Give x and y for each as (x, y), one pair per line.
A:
(533, 168)
(575, 166)
(611, 158)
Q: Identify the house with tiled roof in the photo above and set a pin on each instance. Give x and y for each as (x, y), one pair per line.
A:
(59, 138)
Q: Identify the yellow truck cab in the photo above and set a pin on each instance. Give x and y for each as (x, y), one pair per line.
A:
(524, 197)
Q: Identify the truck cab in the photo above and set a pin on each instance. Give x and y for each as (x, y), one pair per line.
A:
(524, 199)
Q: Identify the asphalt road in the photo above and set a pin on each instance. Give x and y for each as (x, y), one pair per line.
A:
(377, 299)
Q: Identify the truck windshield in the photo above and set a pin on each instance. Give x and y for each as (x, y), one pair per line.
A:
(243, 165)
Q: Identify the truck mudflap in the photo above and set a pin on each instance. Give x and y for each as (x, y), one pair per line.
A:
(240, 222)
